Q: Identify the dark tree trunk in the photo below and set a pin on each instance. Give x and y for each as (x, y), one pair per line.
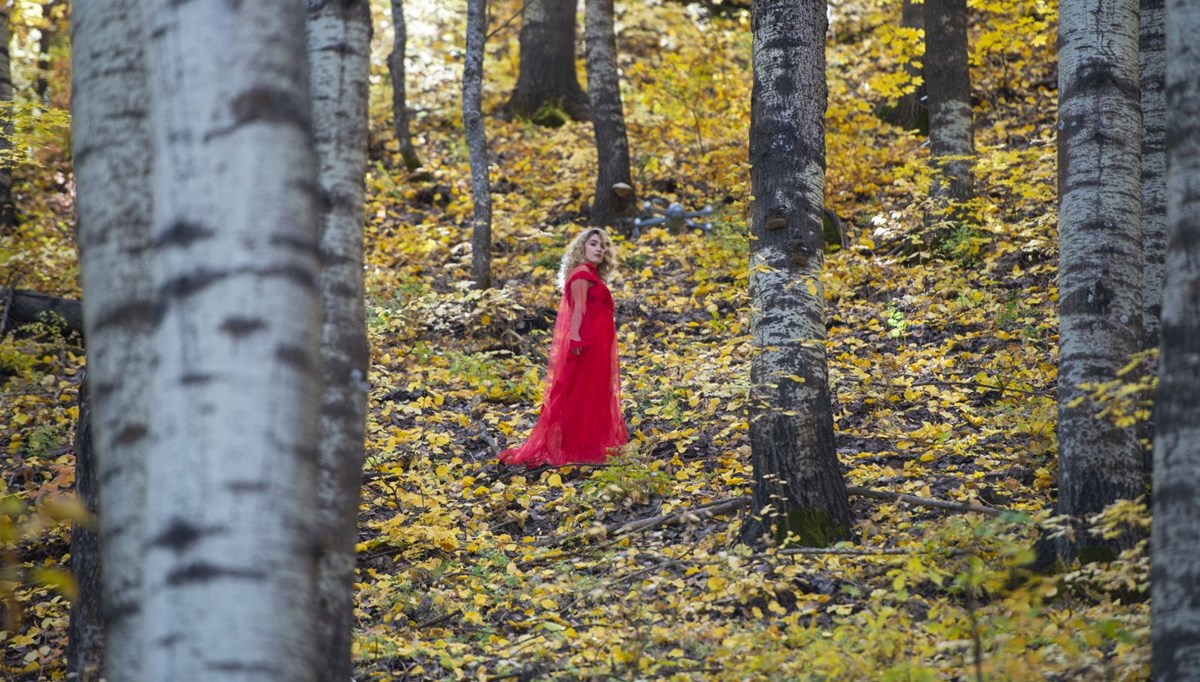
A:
(612, 199)
(85, 648)
(547, 72)
(948, 83)
(8, 213)
(910, 112)
(796, 470)
(481, 233)
(1100, 258)
(41, 84)
(1175, 570)
(400, 118)
(339, 61)
(1152, 66)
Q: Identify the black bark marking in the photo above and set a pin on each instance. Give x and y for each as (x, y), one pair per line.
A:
(132, 433)
(180, 535)
(202, 572)
(307, 247)
(189, 284)
(247, 486)
(132, 314)
(196, 379)
(266, 105)
(294, 356)
(116, 612)
(241, 327)
(240, 667)
(1096, 77)
(183, 234)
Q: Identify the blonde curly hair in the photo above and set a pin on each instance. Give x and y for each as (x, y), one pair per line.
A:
(574, 255)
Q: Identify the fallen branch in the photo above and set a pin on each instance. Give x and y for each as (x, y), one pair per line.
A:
(923, 501)
(25, 307)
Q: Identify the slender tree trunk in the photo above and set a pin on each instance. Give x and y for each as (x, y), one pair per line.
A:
(546, 74)
(1152, 66)
(232, 545)
(109, 139)
(85, 634)
(1100, 255)
(41, 84)
(911, 113)
(400, 118)
(481, 193)
(796, 471)
(1175, 573)
(339, 43)
(948, 83)
(608, 118)
(8, 212)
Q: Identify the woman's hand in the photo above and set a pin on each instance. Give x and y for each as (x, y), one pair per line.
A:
(575, 347)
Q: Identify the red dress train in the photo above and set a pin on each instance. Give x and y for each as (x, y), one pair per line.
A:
(580, 421)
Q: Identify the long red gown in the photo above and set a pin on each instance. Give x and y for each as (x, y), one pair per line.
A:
(580, 421)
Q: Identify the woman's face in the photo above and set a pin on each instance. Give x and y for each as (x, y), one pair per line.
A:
(593, 250)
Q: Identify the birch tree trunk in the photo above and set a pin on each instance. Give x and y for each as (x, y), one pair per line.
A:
(948, 83)
(8, 213)
(231, 552)
(798, 486)
(339, 43)
(481, 193)
(1175, 570)
(109, 139)
(1100, 255)
(546, 75)
(1152, 67)
(608, 117)
(396, 67)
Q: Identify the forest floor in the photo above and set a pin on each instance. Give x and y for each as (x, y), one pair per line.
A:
(942, 349)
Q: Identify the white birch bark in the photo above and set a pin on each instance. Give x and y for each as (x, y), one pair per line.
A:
(1100, 259)
(1175, 570)
(1152, 67)
(230, 559)
(796, 472)
(339, 42)
(109, 138)
(481, 194)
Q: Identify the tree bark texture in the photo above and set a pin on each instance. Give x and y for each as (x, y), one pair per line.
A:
(608, 117)
(400, 119)
(1100, 255)
(481, 193)
(1152, 67)
(339, 43)
(546, 75)
(85, 633)
(796, 472)
(1175, 569)
(109, 137)
(8, 212)
(231, 543)
(948, 83)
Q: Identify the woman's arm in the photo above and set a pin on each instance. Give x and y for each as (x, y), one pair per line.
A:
(579, 300)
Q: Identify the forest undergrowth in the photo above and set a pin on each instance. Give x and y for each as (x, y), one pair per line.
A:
(942, 344)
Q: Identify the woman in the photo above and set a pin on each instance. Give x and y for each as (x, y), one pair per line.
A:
(581, 419)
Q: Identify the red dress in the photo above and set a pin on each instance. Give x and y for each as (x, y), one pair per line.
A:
(580, 421)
